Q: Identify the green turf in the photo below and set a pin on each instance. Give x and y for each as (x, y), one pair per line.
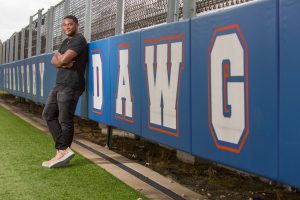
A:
(22, 150)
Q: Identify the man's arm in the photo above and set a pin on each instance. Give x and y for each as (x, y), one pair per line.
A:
(64, 60)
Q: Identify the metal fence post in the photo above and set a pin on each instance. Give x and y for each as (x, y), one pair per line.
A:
(7, 51)
(38, 34)
(120, 17)
(119, 29)
(66, 12)
(22, 44)
(177, 6)
(66, 7)
(189, 8)
(109, 137)
(11, 48)
(1, 52)
(49, 33)
(30, 37)
(87, 35)
(16, 46)
(171, 11)
(87, 22)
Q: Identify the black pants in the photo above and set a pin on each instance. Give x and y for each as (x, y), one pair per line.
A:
(59, 113)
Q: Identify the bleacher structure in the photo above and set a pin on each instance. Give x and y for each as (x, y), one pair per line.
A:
(44, 33)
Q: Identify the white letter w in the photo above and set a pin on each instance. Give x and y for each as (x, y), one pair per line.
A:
(163, 78)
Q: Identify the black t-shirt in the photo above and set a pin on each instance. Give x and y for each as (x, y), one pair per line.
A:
(74, 77)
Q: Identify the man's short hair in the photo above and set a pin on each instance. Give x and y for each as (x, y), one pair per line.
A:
(72, 17)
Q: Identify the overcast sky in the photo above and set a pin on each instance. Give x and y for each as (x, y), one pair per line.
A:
(15, 14)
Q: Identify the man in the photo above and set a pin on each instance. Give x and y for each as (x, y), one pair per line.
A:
(71, 60)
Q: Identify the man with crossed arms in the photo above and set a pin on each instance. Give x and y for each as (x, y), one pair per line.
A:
(70, 60)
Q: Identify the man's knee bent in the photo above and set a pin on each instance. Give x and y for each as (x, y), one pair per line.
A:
(49, 113)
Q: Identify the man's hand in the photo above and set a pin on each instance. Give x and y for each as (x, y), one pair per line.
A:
(69, 65)
(64, 60)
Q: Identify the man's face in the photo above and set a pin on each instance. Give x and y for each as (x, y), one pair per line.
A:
(69, 27)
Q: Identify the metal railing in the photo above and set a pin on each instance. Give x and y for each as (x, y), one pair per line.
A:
(99, 19)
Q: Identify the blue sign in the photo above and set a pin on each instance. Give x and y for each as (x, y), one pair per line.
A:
(234, 95)
(289, 137)
(221, 86)
(165, 85)
(125, 82)
(99, 82)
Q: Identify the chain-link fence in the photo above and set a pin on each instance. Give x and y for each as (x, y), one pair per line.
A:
(57, 21)
(103, 21)
(26, 42)
(77, 8)
(136, 14)
(206, 5)
(141, 13)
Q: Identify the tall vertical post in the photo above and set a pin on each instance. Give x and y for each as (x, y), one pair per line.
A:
(109, 137)
(11, 48)
(22, 56)
(30, 37)
(1, 46)
(3, 52)
(87, 35)
(87, 22)
(66, 7)
(177, 6)
(49, 33)
(16, 46)
(171, 11)
(66, 12)
(119, 29)
(7, 51)
(120, 17)
(189, 8)
(188, 12)
(38, 34)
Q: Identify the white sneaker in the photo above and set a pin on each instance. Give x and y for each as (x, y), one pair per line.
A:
(60, 162)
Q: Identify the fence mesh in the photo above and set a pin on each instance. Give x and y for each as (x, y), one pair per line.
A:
(34, 26)
(137, 14)
(13, 47)
(77, 8)
(57, 21)
(43, 33)
(206, 5)
(19, 45)
(26, 43)
(103, 18)
(180, 11)
(140, 13)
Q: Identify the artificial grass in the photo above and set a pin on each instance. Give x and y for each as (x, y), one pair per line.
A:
(22, 150)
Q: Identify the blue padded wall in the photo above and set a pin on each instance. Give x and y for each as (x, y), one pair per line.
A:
(222, 86)
(234, 110)
(49, 76)
(99, 102)
(17, 83)
(166, 76)
(289, 138)
(125, 73)
(2, 77)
